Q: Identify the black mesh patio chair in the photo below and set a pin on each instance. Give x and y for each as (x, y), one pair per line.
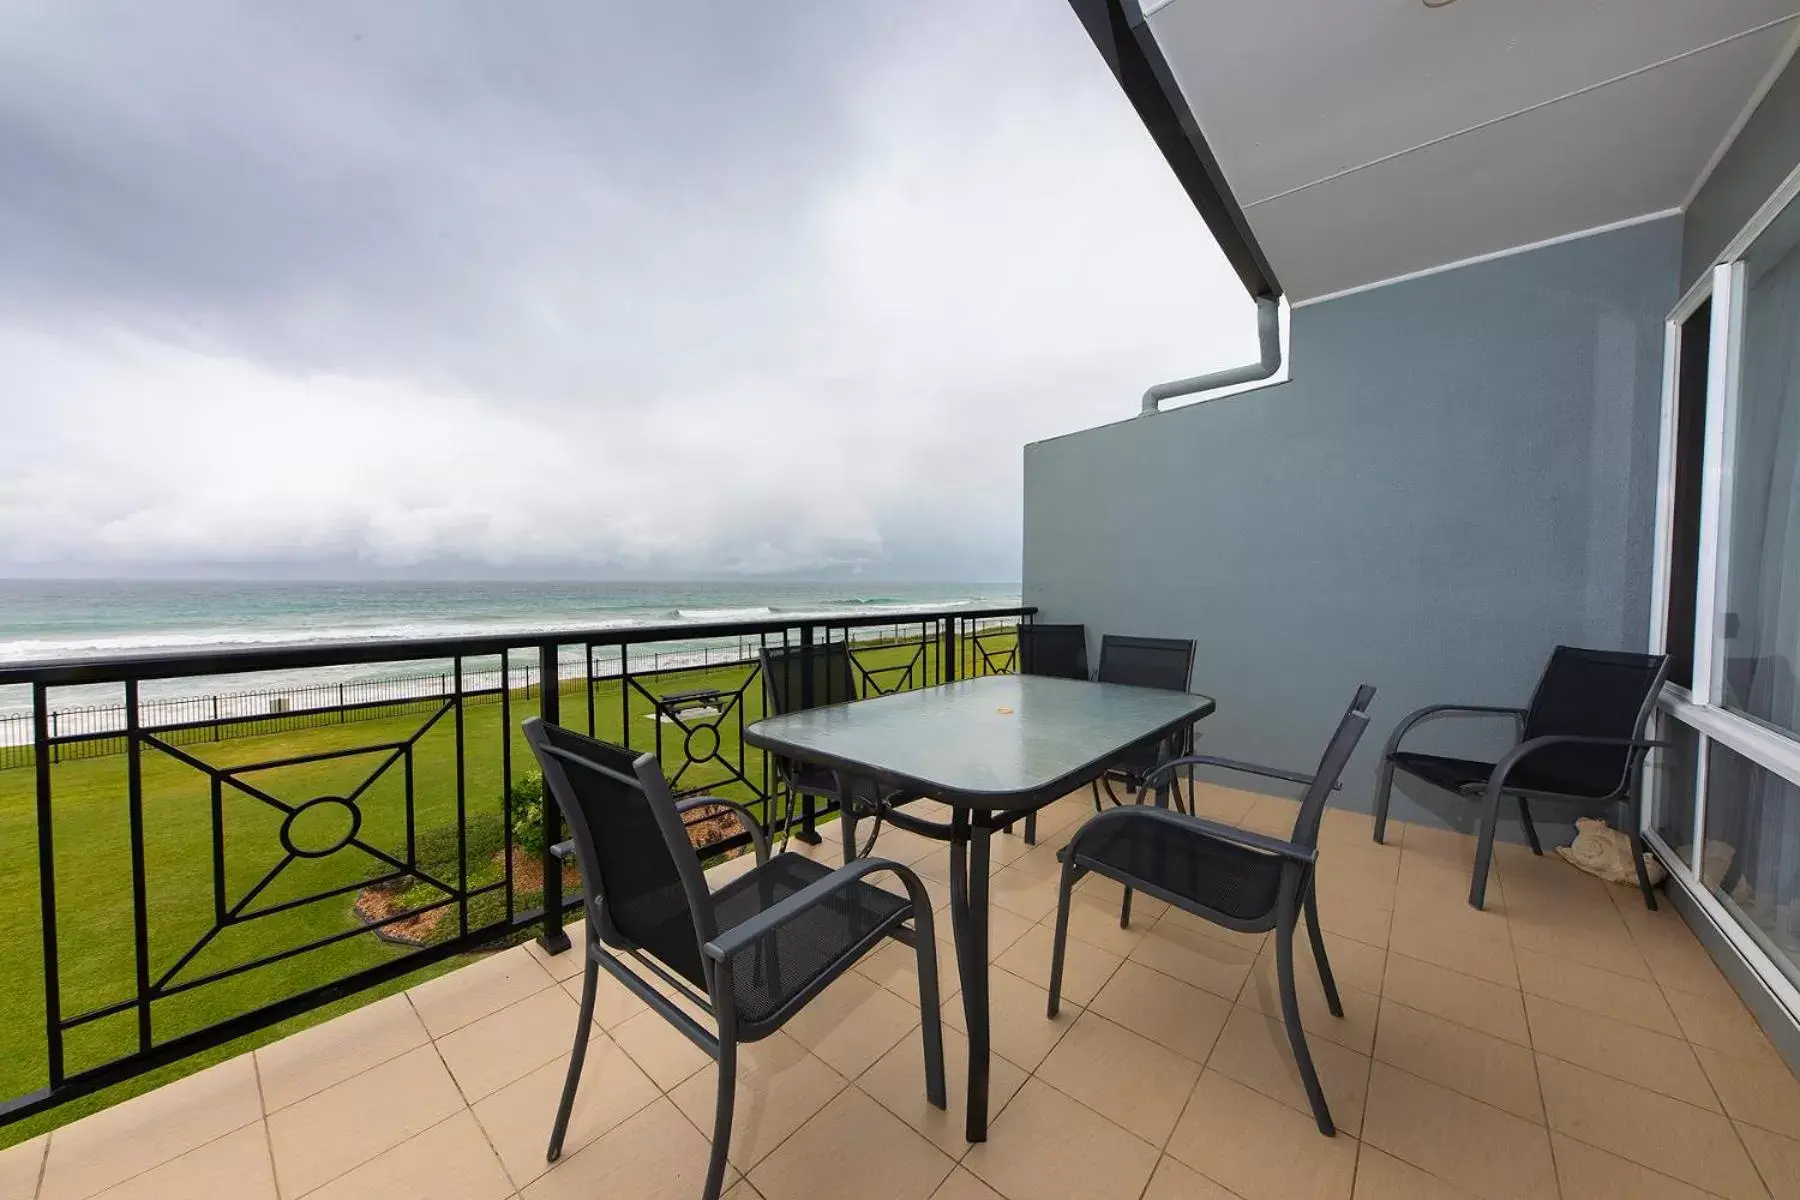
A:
(1249, 882)
(801, 677)
(1055, 650)
(1166, 663)
(1580, 741)
(1059, 651)
(750, 955)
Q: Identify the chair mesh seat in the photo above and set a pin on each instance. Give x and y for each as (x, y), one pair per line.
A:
(1239, 882)
(775, 968)
(1471, 775)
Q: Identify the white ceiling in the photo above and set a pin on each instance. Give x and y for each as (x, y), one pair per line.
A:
(1368, 139)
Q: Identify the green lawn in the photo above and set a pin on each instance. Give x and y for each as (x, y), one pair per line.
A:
(93, 860)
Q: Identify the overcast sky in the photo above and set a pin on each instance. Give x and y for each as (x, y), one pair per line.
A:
(569, 288)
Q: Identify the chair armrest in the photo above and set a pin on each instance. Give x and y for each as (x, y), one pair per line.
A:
(758, 837)
(1232, 764)
(563, 851)
(1497, 781)
(735, 939)
(1433, 711)
(1229, 834)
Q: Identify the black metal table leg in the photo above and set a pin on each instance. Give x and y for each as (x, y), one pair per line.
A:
(809, 819)
(969, 926)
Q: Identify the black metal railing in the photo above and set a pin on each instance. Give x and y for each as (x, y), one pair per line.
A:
(208, 877)
(97, 730)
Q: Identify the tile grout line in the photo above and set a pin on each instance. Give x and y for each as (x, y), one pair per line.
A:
(165, 1162)
(1383, 1000)
(1537, 1073)
(37, 1187)
(467, 1107)
(1162, 1147)
(1635, 1163)
(1080, 1103)
(1732, 1121)
(569, 1154)
(744, 1172)
(1551, 1129)
(456, 1083)
(1537, 1051)
(1737, 1132)
(354, 1075)
(262, 1105)
(1369, 1078)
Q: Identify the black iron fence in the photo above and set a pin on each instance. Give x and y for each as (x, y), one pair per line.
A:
(206, 876)
(95, 730)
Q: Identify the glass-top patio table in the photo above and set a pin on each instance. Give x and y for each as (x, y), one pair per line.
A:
(994, 750)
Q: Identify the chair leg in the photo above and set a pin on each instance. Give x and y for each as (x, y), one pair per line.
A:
(590, 979)
(1317, 937)
(1384, 790)
(931, 1019)
(1530, 829)
(1636, 817)
(727, 1101)
(1484, 847)
(1290, 1016)
(1059, 941)
(809, 819)
(1125, 910)
(1643, 871)
(1031, 829)
(1097, 805)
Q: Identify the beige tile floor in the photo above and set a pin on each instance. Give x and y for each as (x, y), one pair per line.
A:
(1564, 1043)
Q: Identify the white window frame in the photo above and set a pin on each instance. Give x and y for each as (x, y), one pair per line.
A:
(1700, 709)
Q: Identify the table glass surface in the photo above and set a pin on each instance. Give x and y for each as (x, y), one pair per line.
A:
(998, 736)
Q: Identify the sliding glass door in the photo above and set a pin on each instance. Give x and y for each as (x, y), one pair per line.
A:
(1726, 792)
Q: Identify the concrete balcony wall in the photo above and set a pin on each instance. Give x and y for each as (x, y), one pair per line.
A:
(1459, 475)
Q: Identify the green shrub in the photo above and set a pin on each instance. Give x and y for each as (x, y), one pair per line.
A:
(527, 796)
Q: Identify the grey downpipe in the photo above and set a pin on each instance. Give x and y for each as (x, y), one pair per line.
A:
(1268, 334)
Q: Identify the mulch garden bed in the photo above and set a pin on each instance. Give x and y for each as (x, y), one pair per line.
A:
(706, 826)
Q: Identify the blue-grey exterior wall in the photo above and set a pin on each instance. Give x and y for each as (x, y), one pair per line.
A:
(1459, 474)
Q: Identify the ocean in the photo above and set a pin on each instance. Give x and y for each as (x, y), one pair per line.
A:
(48, 620)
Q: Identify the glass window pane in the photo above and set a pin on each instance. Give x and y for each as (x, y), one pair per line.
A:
(1753, 852)
(1760, 623)
(1671, 778)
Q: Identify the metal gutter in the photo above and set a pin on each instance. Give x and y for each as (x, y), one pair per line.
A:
(1123, 36)
(1268, 336)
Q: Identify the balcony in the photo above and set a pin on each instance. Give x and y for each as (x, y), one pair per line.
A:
(1565, 1042)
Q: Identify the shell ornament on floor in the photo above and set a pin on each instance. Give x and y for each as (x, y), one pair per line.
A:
(1605, 853)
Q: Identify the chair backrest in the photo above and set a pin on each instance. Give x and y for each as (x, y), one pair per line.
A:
(1593, 693)
(1166, 663)
(639, 873)
(1331, 766)
(1058, 650)
(797, 678)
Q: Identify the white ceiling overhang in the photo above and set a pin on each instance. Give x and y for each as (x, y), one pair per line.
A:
(1367, 140)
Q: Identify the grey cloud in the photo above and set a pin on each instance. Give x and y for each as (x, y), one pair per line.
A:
(673, 241)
